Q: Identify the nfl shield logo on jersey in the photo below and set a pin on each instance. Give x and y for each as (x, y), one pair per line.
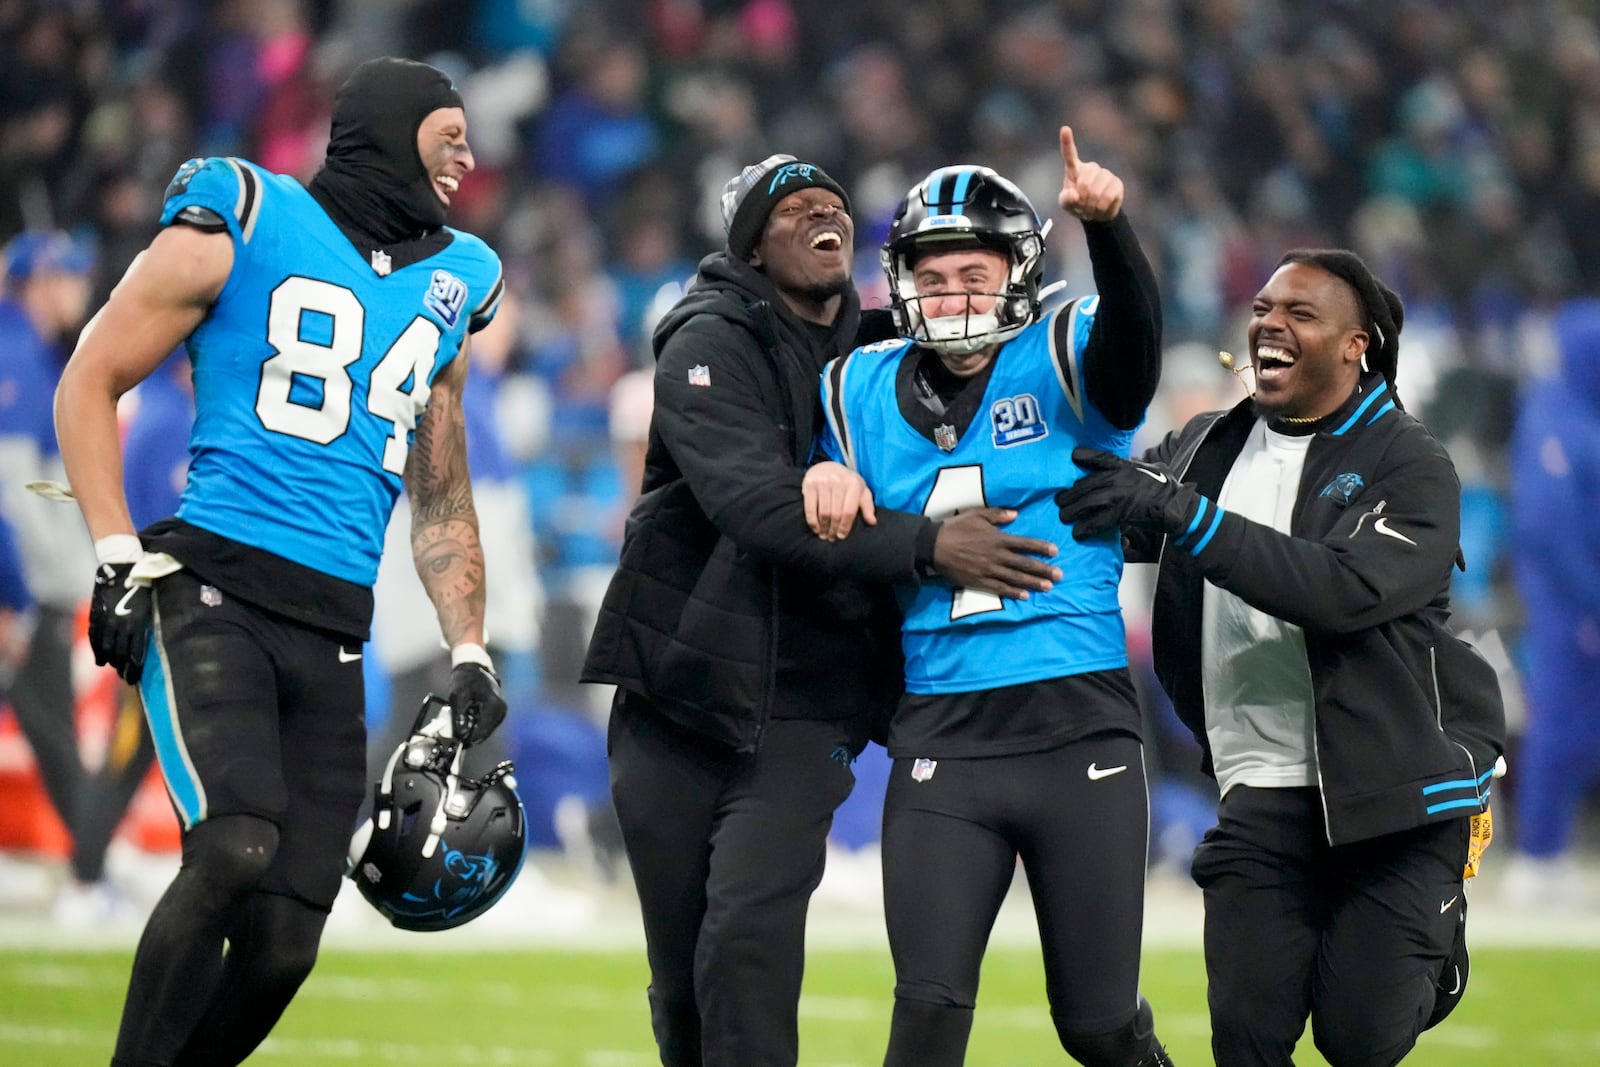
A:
(922, 770)
(944, 435)
(381, 263)
(210, 596)
(700, 375)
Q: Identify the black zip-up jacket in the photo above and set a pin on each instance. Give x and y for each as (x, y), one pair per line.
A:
(1409, 719)
(722, 593)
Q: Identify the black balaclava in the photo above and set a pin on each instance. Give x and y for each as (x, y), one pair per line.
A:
(373, 180)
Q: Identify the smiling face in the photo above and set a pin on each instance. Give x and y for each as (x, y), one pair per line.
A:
(958, 292)
(442, 147)
(805, 250)
(1306, 342)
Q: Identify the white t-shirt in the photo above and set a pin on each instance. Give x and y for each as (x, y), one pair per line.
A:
(1256, 678)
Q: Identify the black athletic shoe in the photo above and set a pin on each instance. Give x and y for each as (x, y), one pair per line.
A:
(1156, 1057)
(1144, 1024)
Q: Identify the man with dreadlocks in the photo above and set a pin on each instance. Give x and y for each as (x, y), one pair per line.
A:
(329, 331)
(1305, 541)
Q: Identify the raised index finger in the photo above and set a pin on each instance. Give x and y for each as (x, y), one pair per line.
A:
(1069, 153)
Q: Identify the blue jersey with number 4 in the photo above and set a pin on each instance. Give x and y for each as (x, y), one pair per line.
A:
(312, 369)
(1016, 453)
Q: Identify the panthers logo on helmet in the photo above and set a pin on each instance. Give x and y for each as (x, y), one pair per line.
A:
(438, 850)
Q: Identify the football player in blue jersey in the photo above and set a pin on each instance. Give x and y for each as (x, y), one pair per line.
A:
(328, 329)
(1019, 732)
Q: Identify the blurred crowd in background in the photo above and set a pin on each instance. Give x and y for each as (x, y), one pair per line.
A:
(1454, 143)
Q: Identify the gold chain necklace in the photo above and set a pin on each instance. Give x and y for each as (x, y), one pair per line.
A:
(1302, 420)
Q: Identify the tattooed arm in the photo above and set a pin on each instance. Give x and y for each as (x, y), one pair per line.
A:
(444, 524)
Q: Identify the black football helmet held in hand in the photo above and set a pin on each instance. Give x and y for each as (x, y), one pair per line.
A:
(438, 850)
(952, 209)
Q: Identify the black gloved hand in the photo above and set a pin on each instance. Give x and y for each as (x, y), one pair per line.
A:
(1117, 492)
(477, 707)
(119, 620)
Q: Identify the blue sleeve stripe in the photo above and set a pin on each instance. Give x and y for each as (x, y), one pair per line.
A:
(1485, 776)
(1195, 524)
(1470, 802)
(1460, 783)
(1210, 531)
(1381, 412)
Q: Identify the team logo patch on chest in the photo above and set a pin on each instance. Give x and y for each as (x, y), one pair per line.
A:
(447, 295)
(1016, 420)
(1343, 487)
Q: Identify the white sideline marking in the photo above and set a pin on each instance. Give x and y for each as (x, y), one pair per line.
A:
(15, 1036)
(64, 976)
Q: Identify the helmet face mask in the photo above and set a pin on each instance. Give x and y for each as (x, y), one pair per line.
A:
(958, 209)
(439, 850)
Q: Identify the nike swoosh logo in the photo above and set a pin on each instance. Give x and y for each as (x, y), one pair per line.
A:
(1446, 905)
(1095, 773)
(122, 607)
(1157, 475)
(1382, 526)
(1457, 989)
(348, 657)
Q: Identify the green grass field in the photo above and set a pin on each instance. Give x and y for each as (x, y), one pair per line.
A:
(586, 1009)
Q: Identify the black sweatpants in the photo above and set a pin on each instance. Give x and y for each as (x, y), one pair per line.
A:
(953, 830)
(726, 850)
(1353, 937)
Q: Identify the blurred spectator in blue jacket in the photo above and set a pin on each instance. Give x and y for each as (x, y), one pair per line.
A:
(1555, 480)
(45, 296)
(596, 129)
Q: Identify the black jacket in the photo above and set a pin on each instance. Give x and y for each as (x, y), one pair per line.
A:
(1409, 719)
(719, 572)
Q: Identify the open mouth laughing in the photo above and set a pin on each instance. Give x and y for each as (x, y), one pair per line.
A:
(828, 241)
(1272, 363)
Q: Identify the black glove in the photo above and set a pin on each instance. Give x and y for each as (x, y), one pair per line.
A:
(477, 707)
(1117, 492)
(119, 620)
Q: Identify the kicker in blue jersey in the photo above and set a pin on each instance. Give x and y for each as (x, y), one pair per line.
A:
(1015, 453)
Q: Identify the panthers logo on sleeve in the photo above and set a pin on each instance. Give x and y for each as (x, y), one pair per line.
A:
(215, 193)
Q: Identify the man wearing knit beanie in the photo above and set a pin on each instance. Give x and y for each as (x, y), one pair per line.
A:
(750, 195)
(752, 659)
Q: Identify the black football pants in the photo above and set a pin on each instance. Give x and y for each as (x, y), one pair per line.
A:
(1353, 937)
(1077, 817)
(725, 851)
